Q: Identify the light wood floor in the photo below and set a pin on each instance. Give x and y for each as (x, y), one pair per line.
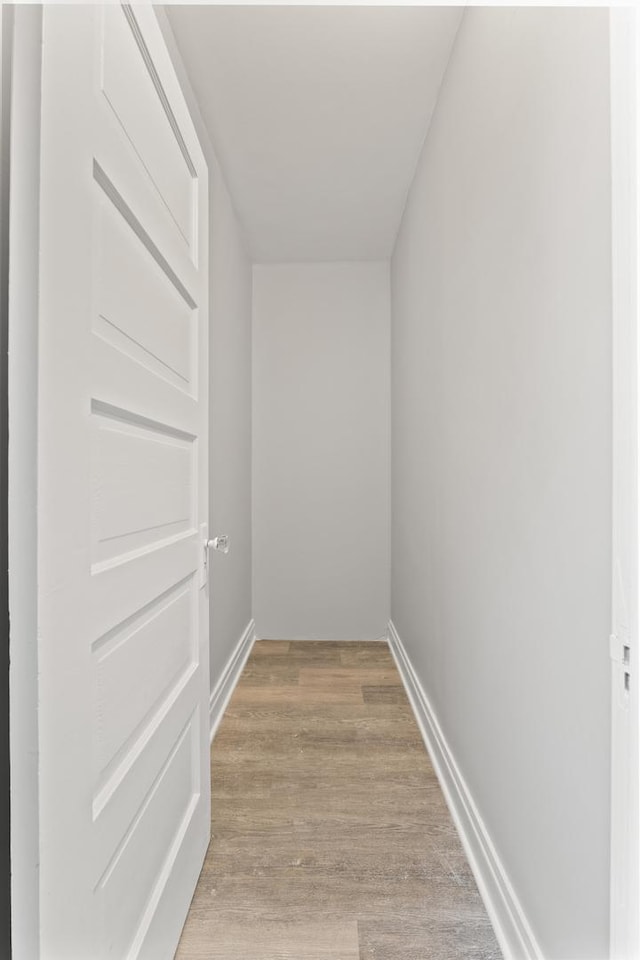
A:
(331, 838)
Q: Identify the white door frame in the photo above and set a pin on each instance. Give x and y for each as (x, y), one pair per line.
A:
(625, 649)
(6, 34)
(23, 394)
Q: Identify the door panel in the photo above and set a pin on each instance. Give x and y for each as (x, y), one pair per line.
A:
(132, 92)
(122, 490)
(161, 337)
(142, 483)
(159, 826)
(157, 641)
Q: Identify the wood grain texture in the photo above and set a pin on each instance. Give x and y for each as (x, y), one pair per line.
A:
(331, 839)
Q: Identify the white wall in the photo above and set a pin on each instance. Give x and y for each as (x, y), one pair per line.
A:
(501, 453)
(321, 450)
(229, 398)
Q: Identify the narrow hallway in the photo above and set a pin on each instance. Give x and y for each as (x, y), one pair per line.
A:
(321, 324)
(331, 839)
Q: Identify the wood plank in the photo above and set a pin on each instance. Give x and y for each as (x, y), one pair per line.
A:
(383, 694)
(294, 694)
(266, 648)
(370, 655)
(273, 941)
(336, 676)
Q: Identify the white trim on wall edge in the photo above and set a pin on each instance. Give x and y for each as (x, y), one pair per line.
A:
(221, 693)
(509, 921)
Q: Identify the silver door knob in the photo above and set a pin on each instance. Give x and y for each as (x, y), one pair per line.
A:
(220, 543)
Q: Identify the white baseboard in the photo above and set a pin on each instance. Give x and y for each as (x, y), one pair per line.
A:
(512, 929)
(221, 693)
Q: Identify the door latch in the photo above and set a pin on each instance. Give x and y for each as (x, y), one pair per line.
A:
(620, 653)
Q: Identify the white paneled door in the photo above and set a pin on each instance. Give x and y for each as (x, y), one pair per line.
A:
(122, 495)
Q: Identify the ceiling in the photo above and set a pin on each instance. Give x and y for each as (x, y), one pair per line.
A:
(317, 115)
